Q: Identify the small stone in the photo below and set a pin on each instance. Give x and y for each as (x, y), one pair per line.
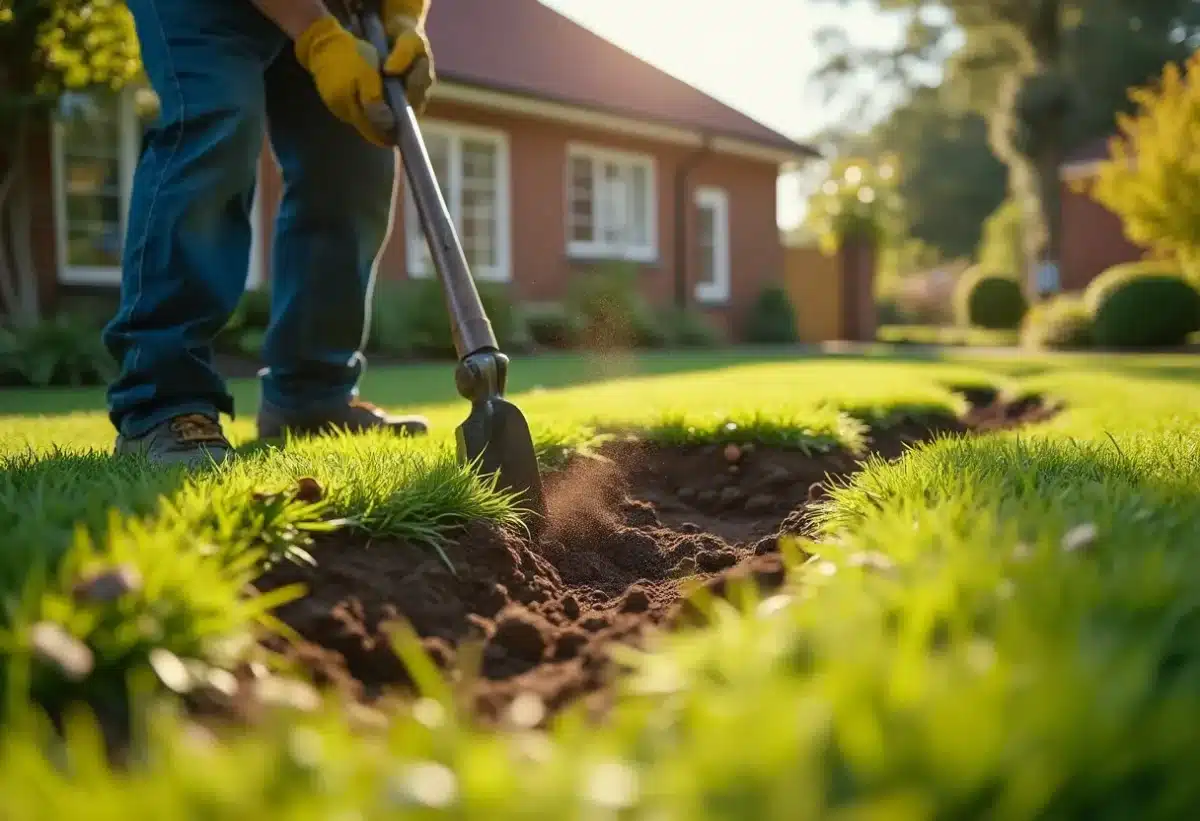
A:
(636, 600)
(107, 586)
(713, 560)
(731, 496)
(766, 545)
(685, 567)
(594, 623)
(732, 453)
(760, 503)
(569, 643)
(689, 528)
(1080, 537)
(171, 671)
(54, 645)
(309, 491)
(570, 607)
(777, 475)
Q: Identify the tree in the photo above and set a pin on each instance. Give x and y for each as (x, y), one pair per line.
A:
(859, 200)
(1031, 65)
(46, 48)
(1152, 181)
(952, 181)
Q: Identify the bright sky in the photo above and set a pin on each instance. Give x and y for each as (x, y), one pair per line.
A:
(759, 62)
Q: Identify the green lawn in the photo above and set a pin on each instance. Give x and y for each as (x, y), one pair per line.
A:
(999, 627)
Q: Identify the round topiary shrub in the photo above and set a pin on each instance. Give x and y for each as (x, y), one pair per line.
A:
(983, 299)
(1060, 323)
(1142, 305)
(772, 320)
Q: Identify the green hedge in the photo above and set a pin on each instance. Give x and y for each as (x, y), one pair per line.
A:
(1142, 305)
(772, 320)
(1060, 323)
(983, 299)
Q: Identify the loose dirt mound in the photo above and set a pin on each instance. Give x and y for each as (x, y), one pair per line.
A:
(631, 532)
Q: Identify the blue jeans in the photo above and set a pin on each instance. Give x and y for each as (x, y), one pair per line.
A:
(225, 76)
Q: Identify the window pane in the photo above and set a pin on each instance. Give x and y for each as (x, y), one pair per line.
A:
(706, 226)
(639, 207)
(438, 146)
(92, 175)
(581, 214)
(94, 244)
(614, 206)
(479, 209)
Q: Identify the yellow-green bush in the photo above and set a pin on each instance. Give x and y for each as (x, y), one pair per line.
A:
(1153, 176)
(1142, 305)
(1060, 323)
(983, 299)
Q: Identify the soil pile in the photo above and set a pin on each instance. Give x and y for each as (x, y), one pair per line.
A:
(631, 533)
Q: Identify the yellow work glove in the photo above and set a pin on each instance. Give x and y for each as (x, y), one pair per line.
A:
(346, 71)
(411, 56)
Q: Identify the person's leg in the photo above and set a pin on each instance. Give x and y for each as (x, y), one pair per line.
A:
(334, 219)
(188, 236)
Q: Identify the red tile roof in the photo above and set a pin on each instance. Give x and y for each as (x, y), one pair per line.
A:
(525, 47)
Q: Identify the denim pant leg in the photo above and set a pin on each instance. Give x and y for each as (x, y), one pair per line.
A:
(333, 221)
(187, 244)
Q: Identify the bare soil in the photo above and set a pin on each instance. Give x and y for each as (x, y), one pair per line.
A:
(632, 533)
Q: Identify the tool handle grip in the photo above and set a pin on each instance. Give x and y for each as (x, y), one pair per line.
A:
(468, 322)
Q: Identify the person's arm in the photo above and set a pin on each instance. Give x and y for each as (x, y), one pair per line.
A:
(293, 16)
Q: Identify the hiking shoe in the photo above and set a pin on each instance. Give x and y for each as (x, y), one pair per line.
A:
(356, 416)
(192, 440)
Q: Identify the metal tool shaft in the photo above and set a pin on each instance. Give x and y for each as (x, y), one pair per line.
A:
(469, 323)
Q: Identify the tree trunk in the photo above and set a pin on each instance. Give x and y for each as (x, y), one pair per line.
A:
(18, 271)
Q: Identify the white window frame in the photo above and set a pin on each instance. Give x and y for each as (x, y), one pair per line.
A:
(596, 248)
(718, 290)
(414, 236)
(128, 150)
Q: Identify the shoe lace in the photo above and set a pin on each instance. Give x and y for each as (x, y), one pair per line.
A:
(365, 405)
(198, 428)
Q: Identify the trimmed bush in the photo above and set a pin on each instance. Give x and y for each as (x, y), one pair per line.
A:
(771, 320)
(66, 350)
(614, 313)
(429, 320)
(983, 299)
(552, 325)
(1060, 323)
(689, 329)
(1142, 305)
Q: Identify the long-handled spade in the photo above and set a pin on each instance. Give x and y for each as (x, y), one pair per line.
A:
(495, 435)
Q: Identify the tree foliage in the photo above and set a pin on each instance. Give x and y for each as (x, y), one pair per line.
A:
(858, 200)
(46, 48)
(1152, 181)
(1047, 73)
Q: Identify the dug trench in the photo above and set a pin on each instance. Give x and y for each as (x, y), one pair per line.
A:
(634, 531)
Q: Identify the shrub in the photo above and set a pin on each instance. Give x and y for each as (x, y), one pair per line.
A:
(1141, 305)
(1060, 323)
(689, 328)
(614, 313)
(552, 324)
(987, 300)
(65, 350)
(772, 321)
(421, 305)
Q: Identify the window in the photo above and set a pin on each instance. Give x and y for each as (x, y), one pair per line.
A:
(610, 204)
(471, 166)
(712, 245)
(97, 141)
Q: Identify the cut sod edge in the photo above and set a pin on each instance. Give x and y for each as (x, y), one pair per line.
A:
(632, 531)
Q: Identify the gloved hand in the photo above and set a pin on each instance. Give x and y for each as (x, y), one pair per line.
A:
(404, 21)
(346, 71)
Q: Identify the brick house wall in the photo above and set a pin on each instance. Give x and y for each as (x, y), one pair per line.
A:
(541, 268)
(1093, 239)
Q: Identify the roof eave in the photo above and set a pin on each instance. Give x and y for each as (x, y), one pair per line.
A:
(518, 101)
